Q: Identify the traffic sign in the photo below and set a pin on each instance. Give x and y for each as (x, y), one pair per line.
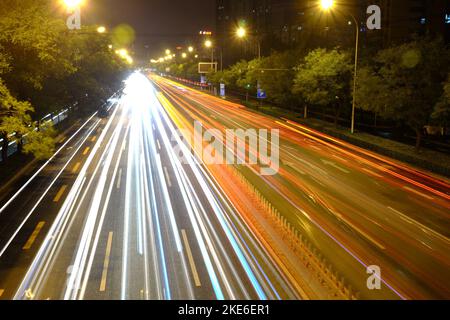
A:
(261, 94)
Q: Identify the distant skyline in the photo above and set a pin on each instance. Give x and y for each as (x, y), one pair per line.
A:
(158, 23)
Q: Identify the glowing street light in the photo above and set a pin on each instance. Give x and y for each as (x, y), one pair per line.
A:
(191, 49)
(168, 51)
(241, 32)
(208, 43)
(122, 52)
(326, 4)
(184, 55)
(72, 4)
(101, 29)
(161, 59)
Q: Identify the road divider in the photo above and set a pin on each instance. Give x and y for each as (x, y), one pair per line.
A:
(310, 257)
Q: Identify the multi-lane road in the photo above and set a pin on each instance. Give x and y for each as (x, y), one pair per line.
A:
(116, 214)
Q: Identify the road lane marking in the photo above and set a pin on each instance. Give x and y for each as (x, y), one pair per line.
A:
(76, 167)
(191, 259)
(339, 158)
(423, 227)
(418, 193)
(159, 145)
(291, 165)
(60, 193)
(334, 165)
(361, 232)
(169, 183)
(85, 152)
(372, 173)
(33, 236)
(119, 178)
(106, 263)
(1, 292)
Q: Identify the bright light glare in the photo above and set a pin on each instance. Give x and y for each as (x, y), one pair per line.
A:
(208, 43)
(241, 32)
(191, 49)
(184, 55)
(326, 4)
(72, 4)
(101, 29)
(168, 52)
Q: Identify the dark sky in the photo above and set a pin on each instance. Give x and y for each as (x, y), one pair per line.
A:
(158, 23)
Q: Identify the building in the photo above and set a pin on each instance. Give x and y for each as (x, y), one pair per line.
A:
(281, 24)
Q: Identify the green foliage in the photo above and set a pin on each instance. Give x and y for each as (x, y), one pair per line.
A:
(403, 82)
(231, 76)
(16, 123)
(40, 143)
(441, 113)
(32, 40)
(324, 79)
(44, 67)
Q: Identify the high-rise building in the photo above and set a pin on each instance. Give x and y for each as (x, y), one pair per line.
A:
(279, 24)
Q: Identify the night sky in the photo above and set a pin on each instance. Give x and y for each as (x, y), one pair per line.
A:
(158, 23)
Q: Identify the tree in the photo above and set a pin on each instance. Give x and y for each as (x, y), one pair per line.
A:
(324, 79)
(33, 42)
(403, 83)
(16, 124)
(441, 113)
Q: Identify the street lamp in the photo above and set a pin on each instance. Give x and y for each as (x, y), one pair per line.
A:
(184, 55)
(101, 29)
(168, 52)
(327, 5)
(208, 43)
(241, 32)
(191, 49)
(72, 4)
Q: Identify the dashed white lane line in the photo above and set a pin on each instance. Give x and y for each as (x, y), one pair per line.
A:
(166, 173)
(418, 193)
(159, 145)
(119, 178)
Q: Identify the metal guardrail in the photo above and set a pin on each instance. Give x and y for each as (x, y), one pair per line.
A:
(54, 118)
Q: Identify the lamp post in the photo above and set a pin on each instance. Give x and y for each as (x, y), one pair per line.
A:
(326, 6)
(242, 33)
